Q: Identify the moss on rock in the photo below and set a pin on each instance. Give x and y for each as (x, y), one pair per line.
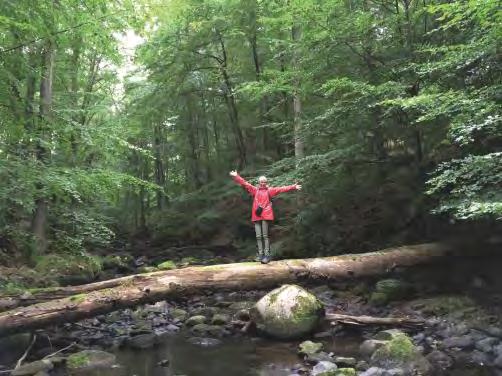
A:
(167, 265)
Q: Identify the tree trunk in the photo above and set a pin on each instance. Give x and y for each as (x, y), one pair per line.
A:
(296, 35)
(107, 296)
(39, 222)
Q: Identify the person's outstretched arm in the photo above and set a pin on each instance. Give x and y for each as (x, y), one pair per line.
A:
(242, 182)
(274, 191)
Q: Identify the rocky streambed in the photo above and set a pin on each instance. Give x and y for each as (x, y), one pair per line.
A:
(212, 335)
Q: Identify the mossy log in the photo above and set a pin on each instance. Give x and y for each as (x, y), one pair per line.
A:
(97, 298)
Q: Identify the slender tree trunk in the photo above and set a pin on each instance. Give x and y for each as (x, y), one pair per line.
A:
(232, 105)
(39, 223)
(296, 34)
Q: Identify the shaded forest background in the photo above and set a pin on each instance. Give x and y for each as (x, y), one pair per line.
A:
(386, 111)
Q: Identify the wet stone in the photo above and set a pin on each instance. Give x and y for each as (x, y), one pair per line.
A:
(462, 342)
(439, 359)
(486, 344)
(220, 319)
(345, 361)
(480, 358)
(324, 368)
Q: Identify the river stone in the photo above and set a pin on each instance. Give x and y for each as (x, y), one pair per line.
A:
(220, 319)
(33, 367)
(237, 306)
(195, 320)
(309, 347)
(345, 361)
(315, 358)
(287, 312)
(498, 361)
(486, 344)
(373, 371)
(461, 342)
(205, 329)
(86, 361)
(324, 369)
(439, 359)
(179, 314)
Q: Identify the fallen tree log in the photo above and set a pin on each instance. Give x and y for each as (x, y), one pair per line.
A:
(107, 296)
(336, 318)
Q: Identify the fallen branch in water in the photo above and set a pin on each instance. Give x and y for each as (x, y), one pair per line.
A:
(21, 360)
(337, 318)
(60, 351)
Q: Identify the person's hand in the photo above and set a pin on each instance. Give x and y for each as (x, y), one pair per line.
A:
(233, 173)
(298, 187)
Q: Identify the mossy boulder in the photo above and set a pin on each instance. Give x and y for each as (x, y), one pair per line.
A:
(401, 352)
(166, 265)
(309, 347)
(388, 290)
(287, 312)
(179, 314)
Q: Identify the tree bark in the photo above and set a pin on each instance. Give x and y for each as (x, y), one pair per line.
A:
(39, 222)
(107, 296)
(296, 35)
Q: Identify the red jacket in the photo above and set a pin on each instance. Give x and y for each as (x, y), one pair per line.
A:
(261, 197)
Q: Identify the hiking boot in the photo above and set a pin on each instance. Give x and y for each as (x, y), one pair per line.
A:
(259, 258)
(266, 259)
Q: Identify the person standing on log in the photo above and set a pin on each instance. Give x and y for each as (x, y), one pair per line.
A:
(262, 212)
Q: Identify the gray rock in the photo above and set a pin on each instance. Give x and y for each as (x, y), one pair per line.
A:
(362, 365)
(480, 358)
(344, 361)
(318, 357)
(494, 331)
(497, 350)
(195, 320)
(498, 361)
(462, 342)
(486, 344)
(373, 371)
(369, 346)
(143, 341)
(395, 372)
(324, 369)
(33, 368)
(439, 360)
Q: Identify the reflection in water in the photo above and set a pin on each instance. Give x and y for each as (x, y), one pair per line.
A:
(235, 357)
